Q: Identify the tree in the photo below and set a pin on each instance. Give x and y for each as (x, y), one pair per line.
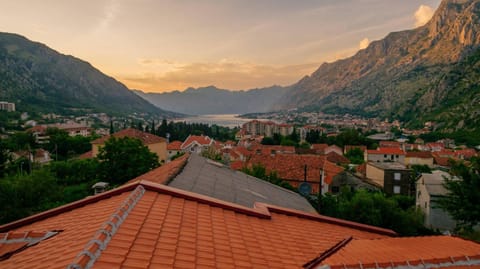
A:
(462, 201)
(122, 159)
(4, 158)
(355, 156)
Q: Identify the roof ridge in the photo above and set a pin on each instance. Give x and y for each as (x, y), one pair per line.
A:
(323, 218)
(94, 247)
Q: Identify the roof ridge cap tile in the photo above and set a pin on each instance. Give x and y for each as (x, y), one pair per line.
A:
(94, 247)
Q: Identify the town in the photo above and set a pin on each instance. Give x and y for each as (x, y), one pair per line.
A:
(317, 160)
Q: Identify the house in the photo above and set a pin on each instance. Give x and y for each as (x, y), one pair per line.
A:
(155, 144)
(197, 143)
(346, 179)
(419, 158)
(465, 154)
(336, 158)
(435, 146)
(315, 170)
(272, 149)
(393, 177)
(174, 148)
(319, 148)
(385, 155)
(41, 156)
(149, 225)
(390, 144)
(333, 148)
(429, 189)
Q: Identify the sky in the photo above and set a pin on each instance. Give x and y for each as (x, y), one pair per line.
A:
(166, 45)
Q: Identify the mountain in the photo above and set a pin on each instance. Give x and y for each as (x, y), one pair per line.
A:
(428, 73)
(38, 78)
(211, 100)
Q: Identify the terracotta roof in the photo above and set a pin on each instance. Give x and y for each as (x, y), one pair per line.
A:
(408, 252)
(86, 155)
(292, 166)
(174, 145)
(164, 173)
(389, 144)
(465, 153)
(267, 149)
(419, 154)
(337, 158)
(320, 148)
(199, 139)
(243, 151)
(147, 225)
(395, 151)
(146, 138)
(37, 129)
(440, 160)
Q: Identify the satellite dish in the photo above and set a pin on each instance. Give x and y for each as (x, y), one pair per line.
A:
(305, 188)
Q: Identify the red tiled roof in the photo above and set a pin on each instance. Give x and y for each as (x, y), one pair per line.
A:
(237, 165)
(200, 139)
(164, 173)
(147, 225)
(292, 166)
(425, 252)
(337, 158)
(243, 151)
(395, 151)
(37, 129)
(320, 148)
(174, 145)
(267, 149)
(389, 144)
(86, 155)
(146, 138)
(465, 153)
(419, 154)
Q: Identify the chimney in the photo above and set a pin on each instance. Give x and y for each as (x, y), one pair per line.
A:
(99, 187)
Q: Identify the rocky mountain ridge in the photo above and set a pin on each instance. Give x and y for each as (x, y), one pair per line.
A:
(403, 72)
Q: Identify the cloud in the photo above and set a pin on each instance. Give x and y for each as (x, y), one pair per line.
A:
(423, 15)
(110, 12)
(225, 73)
(364, 43)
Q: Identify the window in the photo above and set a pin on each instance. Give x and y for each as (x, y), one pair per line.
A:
(385, 156)
(397, 176)
(425, 204)
(396, 189)
(335, 189)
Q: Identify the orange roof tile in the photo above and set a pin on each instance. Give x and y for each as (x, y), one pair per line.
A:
(146, 138)
(147, 225)
(395, 151)
(174, 145)
(320, 148)
(426, 252)
(337, 158)
(164, 173)
(86, 155)
(292, 166)
(199, 139)
(389, 144)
